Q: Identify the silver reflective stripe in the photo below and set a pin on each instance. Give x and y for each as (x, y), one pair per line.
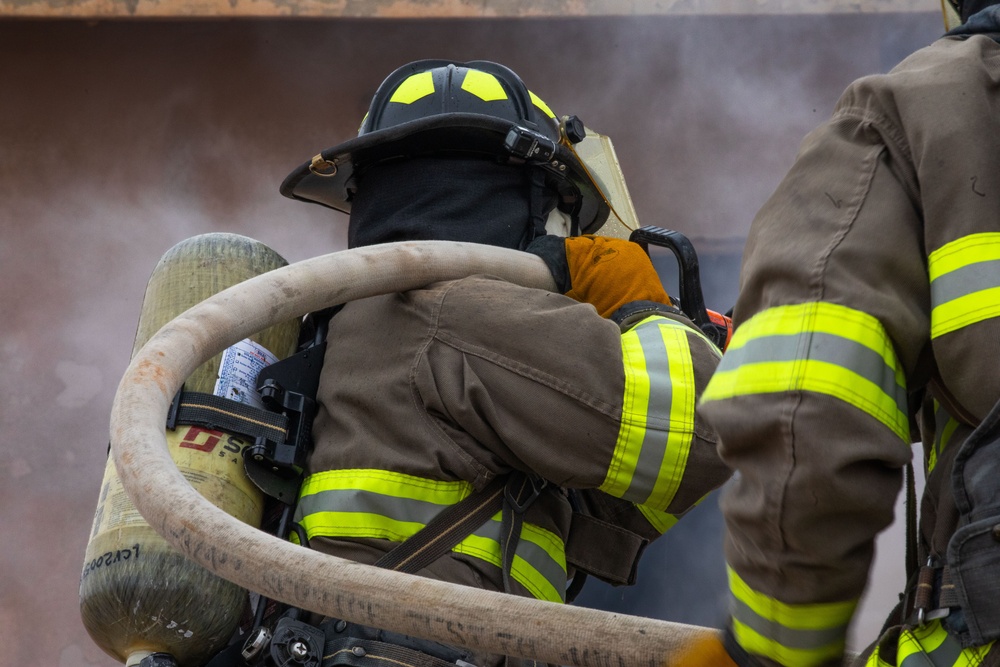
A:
(654, 442)
(792, 638)
(356, 500)
(825, 347)
(966, 280)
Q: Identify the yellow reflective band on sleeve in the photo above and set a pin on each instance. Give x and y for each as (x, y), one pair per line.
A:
(414, 88)
(483, 85)
(819, 347)
(371, 503)
(965, 282)
(796, 635)
(537, 101)
(661, 521)
(657, 421)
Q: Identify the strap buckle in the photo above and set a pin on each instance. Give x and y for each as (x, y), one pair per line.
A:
(514, 499)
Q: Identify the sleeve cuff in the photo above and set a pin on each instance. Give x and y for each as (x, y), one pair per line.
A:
(633, 312)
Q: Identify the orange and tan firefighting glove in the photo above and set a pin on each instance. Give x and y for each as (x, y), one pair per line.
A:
(604, 272)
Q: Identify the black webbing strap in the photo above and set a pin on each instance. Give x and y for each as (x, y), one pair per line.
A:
(511, 495)
(221, 414)
(444, 531)
(520, 491)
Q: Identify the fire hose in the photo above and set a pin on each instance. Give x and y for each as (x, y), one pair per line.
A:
(449, 613)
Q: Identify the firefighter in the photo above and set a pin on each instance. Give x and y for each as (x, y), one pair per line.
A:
(580, 405)
(867, 320)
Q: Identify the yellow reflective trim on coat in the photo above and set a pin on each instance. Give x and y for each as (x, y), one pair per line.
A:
(382, 504)
(930, 645)
(537, 101)
(818, 317)
(483, 85)
(668, 481)
(962, 252)
(522, 571)
(633, 423)
(754, 643)
(816, 376)
(966, 310)
(414, 88)
(358, 524)
(796, 635)
(657, 420)
(819, 347)
(814, 616)
(661, 521)
(388, 483)
(965, 282)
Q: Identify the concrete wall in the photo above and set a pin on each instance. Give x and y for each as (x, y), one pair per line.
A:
(118, 139)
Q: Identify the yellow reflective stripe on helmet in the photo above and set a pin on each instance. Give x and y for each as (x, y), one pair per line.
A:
(965, 282)
(483, 85)
(369, 503)
(414, 88)
(817, 347)
(537, 101)
(657, 422)
(796, 635)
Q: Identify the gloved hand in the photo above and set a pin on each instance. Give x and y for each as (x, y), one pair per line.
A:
(602, 271)
(705, 651)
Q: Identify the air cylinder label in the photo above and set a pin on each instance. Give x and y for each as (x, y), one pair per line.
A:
(238, 371)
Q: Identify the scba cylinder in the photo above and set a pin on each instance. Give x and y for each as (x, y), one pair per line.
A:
(138, 595)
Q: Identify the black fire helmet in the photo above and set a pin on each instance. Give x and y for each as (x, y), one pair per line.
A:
(440, 108)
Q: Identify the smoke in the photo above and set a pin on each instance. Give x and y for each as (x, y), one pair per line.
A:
(117, 140)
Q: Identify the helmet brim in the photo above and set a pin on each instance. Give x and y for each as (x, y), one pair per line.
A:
(327, 179)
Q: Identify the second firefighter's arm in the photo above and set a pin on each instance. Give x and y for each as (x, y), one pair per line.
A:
(810, 402)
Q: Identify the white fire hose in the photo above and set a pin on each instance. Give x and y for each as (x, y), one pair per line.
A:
(449, 613)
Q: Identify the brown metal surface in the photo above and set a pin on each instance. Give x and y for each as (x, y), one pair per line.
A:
(395, 9)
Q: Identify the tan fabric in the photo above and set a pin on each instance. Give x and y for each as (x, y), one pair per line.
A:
(469, 379)
(909, 162)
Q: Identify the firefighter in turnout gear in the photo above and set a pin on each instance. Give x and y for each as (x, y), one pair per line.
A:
(581, 408)
(867, 320)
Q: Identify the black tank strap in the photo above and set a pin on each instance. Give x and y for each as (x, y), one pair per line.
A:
(221, 414)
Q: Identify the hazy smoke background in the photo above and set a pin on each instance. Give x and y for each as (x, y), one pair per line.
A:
(119, 139)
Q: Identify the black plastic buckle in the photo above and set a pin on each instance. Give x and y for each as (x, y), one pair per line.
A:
(516, 504)
(289, 387)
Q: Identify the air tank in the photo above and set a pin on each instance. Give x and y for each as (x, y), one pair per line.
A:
(138, 595)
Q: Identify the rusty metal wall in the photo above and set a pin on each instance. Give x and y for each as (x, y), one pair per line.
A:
(118, 139)
(424, 9)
